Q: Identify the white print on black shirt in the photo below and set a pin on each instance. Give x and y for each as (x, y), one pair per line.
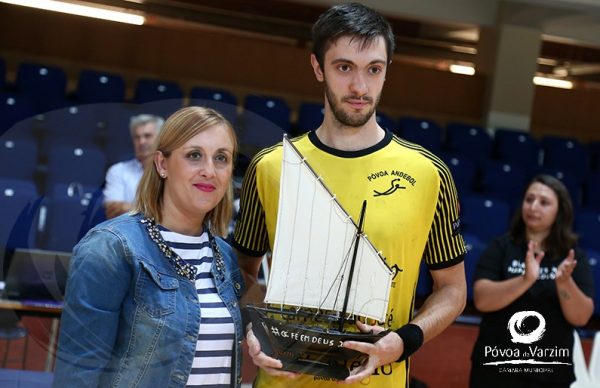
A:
(546, 273)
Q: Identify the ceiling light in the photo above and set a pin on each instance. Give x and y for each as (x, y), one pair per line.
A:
(81, 10)
(553, 82)
(462, 69)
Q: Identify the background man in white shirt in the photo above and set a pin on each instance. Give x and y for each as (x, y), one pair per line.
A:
(122, 178)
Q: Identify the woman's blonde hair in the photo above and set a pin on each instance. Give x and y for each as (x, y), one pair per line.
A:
(179, 128)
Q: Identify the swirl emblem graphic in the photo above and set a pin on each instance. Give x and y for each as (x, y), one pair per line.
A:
(515, 327)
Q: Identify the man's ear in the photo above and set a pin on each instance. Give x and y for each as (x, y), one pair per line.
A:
(316, 68)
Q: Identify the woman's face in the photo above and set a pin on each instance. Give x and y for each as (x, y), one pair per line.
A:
(540, 207)
(198, 174)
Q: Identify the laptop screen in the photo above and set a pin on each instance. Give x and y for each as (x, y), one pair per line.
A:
(37, 275)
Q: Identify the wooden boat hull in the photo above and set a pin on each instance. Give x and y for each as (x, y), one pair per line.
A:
(308, 349)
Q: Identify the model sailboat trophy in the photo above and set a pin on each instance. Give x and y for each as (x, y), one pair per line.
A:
(325, 274)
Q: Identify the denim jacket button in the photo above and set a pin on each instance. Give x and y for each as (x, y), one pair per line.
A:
(191, 337)
(237, 285)
(234, 304)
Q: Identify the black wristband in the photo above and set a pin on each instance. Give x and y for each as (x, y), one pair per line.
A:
(412, 336)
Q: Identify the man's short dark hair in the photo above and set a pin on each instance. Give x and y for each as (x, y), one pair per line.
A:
(354, 20)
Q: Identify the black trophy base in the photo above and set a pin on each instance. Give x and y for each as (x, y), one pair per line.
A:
(308, 367)
(307, 349)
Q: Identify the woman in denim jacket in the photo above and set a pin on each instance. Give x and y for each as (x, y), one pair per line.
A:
(152, 296)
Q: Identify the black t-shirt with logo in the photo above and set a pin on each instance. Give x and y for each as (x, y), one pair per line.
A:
(537, 355)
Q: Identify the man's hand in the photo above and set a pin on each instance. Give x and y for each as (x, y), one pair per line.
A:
(385, 351)
(270, 365)
(116, 208)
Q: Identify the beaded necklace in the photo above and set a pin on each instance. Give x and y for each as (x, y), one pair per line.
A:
(182, 267)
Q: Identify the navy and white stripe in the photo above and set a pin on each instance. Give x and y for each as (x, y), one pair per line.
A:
(212, 365)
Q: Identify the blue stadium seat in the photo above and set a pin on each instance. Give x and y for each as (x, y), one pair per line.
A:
(594, 260)
(67, 164)
(587, 226)
(97, 87)
(158, 97)
(424, 132)
(45, 85)
(221, 100)
(469, 140)
(116, 135)
(592, 192)
(570, 180)
(19, 203)
(594, 149)
(566, 153)
(504, 181)
(66, 222)
(484, 217)
(18, 158)
(16, 115)
(464, 171)
(272, 108)
(385, 122)
(310, 116)
(517, 147)
(475, 248)
(75, 125)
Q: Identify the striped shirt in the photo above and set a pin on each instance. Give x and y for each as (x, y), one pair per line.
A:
(212, 365)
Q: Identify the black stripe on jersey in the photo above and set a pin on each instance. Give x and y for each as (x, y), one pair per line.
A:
(211, 305)
(212, 321)
(204, 275)
(210, 371)
(314, 139)
(215, 337)
(212, 290)
(188, 246)
(213, 353)
(200, 261)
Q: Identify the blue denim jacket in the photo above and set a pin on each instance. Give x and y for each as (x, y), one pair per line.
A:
(129, 320)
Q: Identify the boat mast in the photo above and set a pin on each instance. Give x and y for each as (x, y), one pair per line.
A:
(359, 231)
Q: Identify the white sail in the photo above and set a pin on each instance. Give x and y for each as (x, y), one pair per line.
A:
(313, 249)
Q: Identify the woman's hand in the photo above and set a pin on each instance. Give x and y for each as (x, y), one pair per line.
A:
(565, 269)
(532, 262)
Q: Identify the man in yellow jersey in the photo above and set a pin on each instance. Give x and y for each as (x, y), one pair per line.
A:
(412, 201)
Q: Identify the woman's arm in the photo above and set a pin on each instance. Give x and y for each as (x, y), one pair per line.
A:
(493, 295)
(575, 305)
(99, 278)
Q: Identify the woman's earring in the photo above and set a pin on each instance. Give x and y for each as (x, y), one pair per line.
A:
(163, 175)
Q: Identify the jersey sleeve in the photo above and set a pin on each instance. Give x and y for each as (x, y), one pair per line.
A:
(445, 246)
(250, 235)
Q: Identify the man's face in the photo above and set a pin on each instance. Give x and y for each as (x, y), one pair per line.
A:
(143, 140)
(353, 77)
